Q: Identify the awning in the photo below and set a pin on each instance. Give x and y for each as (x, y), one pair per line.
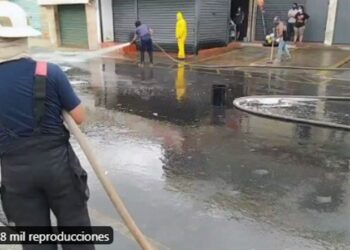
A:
(57, 2)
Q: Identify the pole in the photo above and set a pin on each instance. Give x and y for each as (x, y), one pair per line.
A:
(106, 183)
(263, 20)
(272, 45)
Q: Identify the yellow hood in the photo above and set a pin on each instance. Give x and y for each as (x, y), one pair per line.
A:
(179, 16)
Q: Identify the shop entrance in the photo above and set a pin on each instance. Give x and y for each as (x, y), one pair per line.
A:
(240, 19)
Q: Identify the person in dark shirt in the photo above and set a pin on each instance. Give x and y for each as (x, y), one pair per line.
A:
(144, 33)
(301, 19)
(16, 100)
(40, 172)
(239, 21)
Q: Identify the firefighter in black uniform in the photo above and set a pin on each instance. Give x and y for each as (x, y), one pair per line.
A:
(40, 171)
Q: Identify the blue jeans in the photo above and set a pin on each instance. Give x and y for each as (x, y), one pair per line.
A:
(282, 49)
(146, 45)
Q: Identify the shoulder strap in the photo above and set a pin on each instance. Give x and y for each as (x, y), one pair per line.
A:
(41, 69)
(39, 92)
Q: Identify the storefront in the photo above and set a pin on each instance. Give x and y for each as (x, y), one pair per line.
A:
(72, 23)
(207, 21)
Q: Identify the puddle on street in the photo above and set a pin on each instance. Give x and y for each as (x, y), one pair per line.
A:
(190, 167)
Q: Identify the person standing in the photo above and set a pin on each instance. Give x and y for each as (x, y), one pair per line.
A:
(291, 21)
(232, 27)
(301, 19)
(39, 169)
(239, 21)
(181, 35)
(281, 35)
(144, 33)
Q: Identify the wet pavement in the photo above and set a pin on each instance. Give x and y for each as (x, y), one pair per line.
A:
(197, 174)
(301, 57)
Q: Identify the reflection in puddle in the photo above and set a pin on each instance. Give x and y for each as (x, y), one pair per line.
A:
(180, 84)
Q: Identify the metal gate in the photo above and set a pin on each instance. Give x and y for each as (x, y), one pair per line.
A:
(213, 27)
(73, 25)
(160, 15)
(33, 11)
(273, 8)
(124, 17)
(341, 33)
(316, 26)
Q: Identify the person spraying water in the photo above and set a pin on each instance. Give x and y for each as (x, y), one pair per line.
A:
(144, 33)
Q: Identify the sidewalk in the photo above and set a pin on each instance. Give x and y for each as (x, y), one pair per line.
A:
(307, 55)
(325, 57)
(252, 56)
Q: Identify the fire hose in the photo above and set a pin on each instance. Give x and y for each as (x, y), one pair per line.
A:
(240, 104)
(106, 183)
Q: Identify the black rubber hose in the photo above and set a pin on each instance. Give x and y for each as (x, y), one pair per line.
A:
(237, 102)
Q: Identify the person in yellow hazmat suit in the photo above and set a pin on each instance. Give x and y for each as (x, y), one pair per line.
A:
(181, 34)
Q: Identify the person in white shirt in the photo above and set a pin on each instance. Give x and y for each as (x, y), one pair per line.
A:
(291, 21)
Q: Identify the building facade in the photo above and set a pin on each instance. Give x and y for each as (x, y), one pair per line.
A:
(65, 23)
(87, 23)
(72, 23)
(207, 21)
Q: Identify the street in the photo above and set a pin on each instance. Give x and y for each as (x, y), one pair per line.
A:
(174, 125)
(200, 176)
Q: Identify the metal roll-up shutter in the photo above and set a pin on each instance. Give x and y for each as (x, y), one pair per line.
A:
(316, 26)
(214, 17)
(33, 11)
(272, 8)
(124, 17)
(160, 15)
(341, 33)
(73, 25)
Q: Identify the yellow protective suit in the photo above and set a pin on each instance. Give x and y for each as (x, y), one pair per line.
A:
(181, 35)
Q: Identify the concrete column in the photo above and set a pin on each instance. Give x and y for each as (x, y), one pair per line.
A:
(107, 20)
(254, 16)
(51, 24)
(92, 25)
(250, 20)
(331, 19)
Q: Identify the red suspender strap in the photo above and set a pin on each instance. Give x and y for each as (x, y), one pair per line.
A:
(41, 69)
(39, 92)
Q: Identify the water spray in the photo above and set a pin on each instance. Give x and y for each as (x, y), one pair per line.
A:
(107, 50)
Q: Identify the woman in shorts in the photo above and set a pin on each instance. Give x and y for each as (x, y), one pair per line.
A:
(300, 22)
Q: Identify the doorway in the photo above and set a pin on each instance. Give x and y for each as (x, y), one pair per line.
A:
(241, 29)
(73, 26)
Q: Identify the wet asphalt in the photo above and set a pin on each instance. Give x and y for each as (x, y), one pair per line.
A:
(198, 174)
